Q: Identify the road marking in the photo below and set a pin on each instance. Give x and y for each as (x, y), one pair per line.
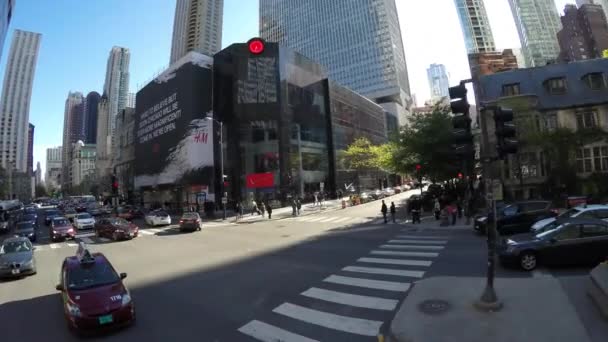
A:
(154, 230)
(305, 219)
(85, 235)
(39, 248)
(420, 237)
(342, 219)
(269, 333)
(102, 239)
(351, 299)
(145, 232)
(71, 244)
(388, 271)
(396, 261)
(86, 240)
(420, 242)
(54, 246)
(329, 219)
(352, 325)
(369, 283)
(408, 254)
(434, 248)
(316, 219)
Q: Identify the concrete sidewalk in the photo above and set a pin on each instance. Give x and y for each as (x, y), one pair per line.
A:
(286, 212)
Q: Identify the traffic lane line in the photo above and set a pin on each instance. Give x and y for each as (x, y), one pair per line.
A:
(420, 242)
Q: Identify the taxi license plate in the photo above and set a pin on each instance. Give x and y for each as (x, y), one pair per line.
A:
(105, 319)
(16, 271)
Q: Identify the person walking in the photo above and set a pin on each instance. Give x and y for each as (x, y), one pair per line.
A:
(393, 212)
(453, 212)
(269, 210)
(263, 209)
(384, 210)
(299, 206)
(437, 209)
(414, 207)
(254, 208)
(294, 206)
(237, 210)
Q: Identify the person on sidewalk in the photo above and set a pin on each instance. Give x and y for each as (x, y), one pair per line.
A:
(299, 206)
(269, 210)
(384, 210)
(294, 207)
(437, 209)
(254, 208)
(237, 210)
(316, 194)
(262, 209)
(414, 207)
(453, 212)
(393, 212)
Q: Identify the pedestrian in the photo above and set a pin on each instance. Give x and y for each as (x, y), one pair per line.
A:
(459, 207)
(453, 212)
(383, 209)
(254, 208)
(237, 210)
(262, 209)
(437, 209)
(414, 207)
(393, 212)
(299, 205)
(269, 210)
(294, 207)
(316, 194)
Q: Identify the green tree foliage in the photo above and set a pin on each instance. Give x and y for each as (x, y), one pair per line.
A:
(359, 156)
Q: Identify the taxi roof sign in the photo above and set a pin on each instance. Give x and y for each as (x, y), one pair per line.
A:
(83, 254)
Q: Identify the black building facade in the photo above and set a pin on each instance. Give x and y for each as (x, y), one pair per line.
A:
(90, 117)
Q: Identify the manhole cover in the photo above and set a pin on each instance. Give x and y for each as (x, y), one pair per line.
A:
(434, 306)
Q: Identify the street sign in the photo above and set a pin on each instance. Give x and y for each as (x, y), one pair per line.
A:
(224, 200)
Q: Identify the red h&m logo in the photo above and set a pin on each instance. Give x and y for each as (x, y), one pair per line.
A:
(201, 137)
(260, 180)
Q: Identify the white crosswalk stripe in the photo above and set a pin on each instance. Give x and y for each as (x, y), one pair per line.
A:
(54, 246)
(305, 218)
(420, 237)
(83, 235)
(329, 219)
(387, 271)
(86, 240)
(348, 324)
(146, 232)
(407, 254)
(434, 248)
(71, 244)
(316, 219)
(420, 242)
(269, 333)
(351, 299)
(154, 230)
(369, 283)
(343, 219)
(405, 262)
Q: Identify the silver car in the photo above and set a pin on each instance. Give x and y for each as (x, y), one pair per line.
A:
(17, 258)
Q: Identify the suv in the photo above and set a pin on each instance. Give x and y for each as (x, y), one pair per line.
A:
(517, 217)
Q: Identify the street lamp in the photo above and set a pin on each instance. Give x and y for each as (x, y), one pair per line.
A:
(225, 197)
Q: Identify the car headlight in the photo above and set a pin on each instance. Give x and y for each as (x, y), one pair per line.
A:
(73, 309)
(30, 234)
(126, 299)
(482, 219)
(510, 242)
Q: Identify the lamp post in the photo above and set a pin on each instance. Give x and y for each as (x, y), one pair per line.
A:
(224, 194)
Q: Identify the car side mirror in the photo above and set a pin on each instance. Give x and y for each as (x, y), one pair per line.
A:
(59, 287)
(123, 275)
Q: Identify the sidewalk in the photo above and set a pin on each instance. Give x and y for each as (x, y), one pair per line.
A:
(429, 222)
(286, 212)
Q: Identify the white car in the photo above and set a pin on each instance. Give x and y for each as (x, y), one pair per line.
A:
(585, 211)
(84, 221)
(157, 218)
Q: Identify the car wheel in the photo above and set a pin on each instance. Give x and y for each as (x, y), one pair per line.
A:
(528, 261)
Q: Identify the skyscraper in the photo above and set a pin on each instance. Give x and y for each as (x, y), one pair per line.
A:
(197, 27)
(438, 81)
(30, 149)
(38, 174)
(603, 3)
(73, 130)
(6, 12)
(53, 167)
(16, 96)
(131, 100)
(104, 138)
(475, 26)
(90, 117)
(358, 42)
(116, 86)
(537, 23)
(584, 33)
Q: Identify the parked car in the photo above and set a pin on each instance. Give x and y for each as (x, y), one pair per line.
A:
(587, 211)
(378, 194)
(389, 191)
(574, 241)
(190, 221)
(61, 228)
(125, 213)
(518, 217)
(84, 221)
(17, 257)
(366, 197)
(26, 229)
(115, 228)
(397, 189)
(157, 218)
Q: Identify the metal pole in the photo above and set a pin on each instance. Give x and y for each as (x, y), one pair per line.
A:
(222, 165)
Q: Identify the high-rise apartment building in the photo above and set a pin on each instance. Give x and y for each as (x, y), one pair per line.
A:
(359, 44)
(475, 26)
(197, 27)
(30, 149)
(537, 23)
(15, 100)
(438, 81)
(584, 33)
(116, 86)
(90, 117)
(73, 131)
(603, 3)
(131, 100)
(53, 167)
(6, 13)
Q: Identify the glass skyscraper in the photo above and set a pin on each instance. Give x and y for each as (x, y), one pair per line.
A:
(475, 26)
(358, 43)
(438, 81)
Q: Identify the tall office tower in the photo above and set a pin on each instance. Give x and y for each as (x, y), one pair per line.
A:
(197, 27)
(38, 174)
(30, 149)
(537, 23)
(131, 100)
(53, 167)
(438, 81)
(73, 130)
(358, 42)
(6, 12)
(104, 139)
(584, 33)
(116, 86)
(91, 102)
(16, 96)
(603, 3)
(475, 26)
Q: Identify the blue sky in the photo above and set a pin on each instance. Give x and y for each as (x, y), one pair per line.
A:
(77, 36)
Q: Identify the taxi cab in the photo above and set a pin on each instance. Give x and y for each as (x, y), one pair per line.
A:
(93, 295)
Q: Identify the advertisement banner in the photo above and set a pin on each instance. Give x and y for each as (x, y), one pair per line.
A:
(260, 180)
(174, 139)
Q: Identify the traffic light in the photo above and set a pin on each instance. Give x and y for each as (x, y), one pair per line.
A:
(505, 132)
(462, 138)
(419, 173)
(460, 175)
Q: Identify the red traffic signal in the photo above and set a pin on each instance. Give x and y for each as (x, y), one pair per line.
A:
(460, 175)
(418, 167)
(256, 45)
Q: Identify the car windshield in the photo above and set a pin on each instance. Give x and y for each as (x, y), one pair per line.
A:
(52, 213)
(16, 247)
(161, 213)
(25, 225)
(118, 221)
(61, 222)
(189, 216)
(509, 210)
(93, 275)
(83, 216)
(570, 213)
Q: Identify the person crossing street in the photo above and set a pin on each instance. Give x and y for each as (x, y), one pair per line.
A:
(384, 210)
(393, 211)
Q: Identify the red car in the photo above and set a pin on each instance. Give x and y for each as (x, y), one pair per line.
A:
(93, 295)
(61, 228)
(115, 228)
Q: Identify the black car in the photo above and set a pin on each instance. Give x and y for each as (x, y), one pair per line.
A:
(517, 218)
(575, 241)
(26, 229)
(49, 215)
(31, 211)
(29, 218)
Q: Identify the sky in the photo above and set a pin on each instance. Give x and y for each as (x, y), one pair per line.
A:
(78, 35)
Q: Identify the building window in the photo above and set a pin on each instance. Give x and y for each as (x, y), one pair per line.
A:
(556, 86)
(595, 81)
(510, 89)
(585, 120)
(550, 122)
(592, 159)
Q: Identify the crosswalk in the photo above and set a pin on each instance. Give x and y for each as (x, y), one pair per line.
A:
(354, 303)
(338, 219)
